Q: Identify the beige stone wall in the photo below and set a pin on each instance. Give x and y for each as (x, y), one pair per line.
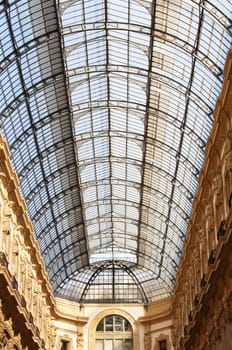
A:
(202, 296)
(77, 324)
(22, 270)
(157, 324)
(70, 324)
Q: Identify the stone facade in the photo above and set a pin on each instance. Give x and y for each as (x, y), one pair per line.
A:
(202, 297)
(26, 297)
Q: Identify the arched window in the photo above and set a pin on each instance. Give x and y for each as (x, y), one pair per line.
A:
(114, 332)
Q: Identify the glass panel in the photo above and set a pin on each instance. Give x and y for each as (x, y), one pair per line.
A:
(120, 335)
(100, 326)
(162, 345)
(128, 344)
(108, 344)
(118, 324)
(109, 324)
(99, 344)
(118, 344)
(127, 326)
(64, 345)
(108, 145)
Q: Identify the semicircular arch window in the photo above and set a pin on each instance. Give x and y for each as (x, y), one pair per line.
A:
(114, 332)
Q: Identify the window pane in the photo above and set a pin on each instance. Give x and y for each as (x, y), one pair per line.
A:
(64, 345)
(116, 333)
(163, 345)
(100, 326)
(128, 344)
(118, 344)
(108, 344)
(99, 344)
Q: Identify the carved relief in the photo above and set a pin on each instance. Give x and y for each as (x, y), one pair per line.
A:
(27, 284)
(204, 253)
(218, 205)
(80, 340)
(228, 143)
(210, 227)
(147, 340)
(14, 258)
(228, 181)
(8, 340)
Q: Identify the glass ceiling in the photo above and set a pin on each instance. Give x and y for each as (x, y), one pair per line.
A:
(107, 107)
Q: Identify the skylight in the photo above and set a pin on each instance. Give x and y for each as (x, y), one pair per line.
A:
(107, 107)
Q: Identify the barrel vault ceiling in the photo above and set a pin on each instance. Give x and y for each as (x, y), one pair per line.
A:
(107, 107)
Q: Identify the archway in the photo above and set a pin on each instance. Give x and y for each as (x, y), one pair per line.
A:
(114, 332)
(113, 329)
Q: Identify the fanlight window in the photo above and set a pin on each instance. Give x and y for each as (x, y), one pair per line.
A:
(114, 332)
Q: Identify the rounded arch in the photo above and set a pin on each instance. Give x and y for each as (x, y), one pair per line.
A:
(121, 266)
(108, 312)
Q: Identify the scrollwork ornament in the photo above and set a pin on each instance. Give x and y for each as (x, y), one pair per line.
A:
(228, 164)
(80, 340)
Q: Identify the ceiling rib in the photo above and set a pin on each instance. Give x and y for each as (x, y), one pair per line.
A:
(188, 92)
(62, 46)
(107, 114)
(14, 43)
(153, 17)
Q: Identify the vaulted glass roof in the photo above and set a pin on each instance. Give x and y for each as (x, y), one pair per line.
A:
(107, 107)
